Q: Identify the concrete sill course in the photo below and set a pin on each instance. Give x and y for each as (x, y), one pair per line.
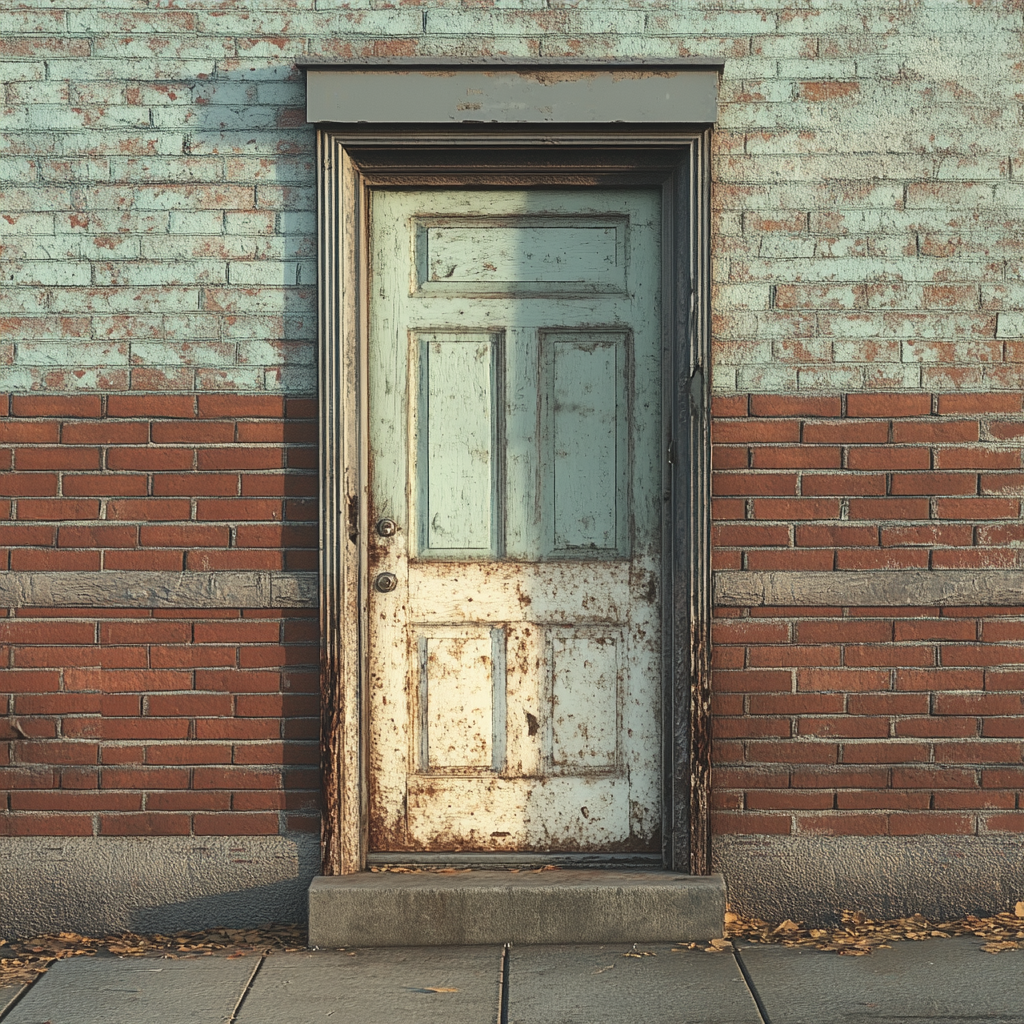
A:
(481, 907)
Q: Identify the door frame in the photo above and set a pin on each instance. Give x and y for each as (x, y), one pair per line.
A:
(353, 160)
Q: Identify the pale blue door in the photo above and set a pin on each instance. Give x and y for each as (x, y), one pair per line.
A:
(516, 491)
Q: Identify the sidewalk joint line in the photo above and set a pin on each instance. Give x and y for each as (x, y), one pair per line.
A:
(748, 981)
(245, 990)
(503, 973)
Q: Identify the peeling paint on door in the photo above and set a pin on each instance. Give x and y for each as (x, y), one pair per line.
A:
(515, 439)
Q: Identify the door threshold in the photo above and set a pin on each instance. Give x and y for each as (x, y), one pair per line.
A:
(515, 861)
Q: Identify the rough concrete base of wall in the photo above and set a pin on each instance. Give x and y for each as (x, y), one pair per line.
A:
(811, 878)
(153, 883)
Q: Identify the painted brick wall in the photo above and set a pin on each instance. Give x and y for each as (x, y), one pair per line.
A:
(158, 205)
(157, 326)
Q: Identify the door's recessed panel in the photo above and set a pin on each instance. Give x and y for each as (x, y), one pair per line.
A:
(461, 699)
(456, 465)
(584, 700)
(586, 439)
(525, 255)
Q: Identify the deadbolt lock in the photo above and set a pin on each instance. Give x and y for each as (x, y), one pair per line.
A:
(387, 527)
(386, 582)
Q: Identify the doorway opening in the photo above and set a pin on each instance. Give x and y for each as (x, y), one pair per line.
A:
(514, 497)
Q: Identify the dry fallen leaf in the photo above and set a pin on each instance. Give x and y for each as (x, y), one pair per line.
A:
(859, 934)
(440, 990)
(22, 961)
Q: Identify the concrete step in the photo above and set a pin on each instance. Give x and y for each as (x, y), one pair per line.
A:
(471, 908)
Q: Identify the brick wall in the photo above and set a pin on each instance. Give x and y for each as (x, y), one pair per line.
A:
(157, 183)
(865, 722)
(868, 481)
(159, 722)
(164, 722)
(157, 346)
(172, 482)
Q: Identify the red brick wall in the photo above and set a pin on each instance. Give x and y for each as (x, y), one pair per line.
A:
(868, 720)
(163, 722)
(167, 482)
(868, 481)
(158, 721)
(844, 720)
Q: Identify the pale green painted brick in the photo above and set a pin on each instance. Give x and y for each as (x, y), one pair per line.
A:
(765, 377)
(332, 22)
(127, 300)
(829, 378)
(569, 21)
(274, 353)
(77, 353)
(22, 71)
(300, 379)
(74, 170)
(48, 273)
(1008, 297)
(234, 378)
(230, 142)
(196, 222)
(60, 378)
(258, 222)
(97, 93)
(183, 353)
(150, 274)
(127, 328)
(190, 326)
(198, 247)
(132, 170)
(264, 272)
(891, 377)
(740, 351)
(116, 46)
(33, 92)
(859, 350)
(43, 248)
(288, 327)
(17, 168)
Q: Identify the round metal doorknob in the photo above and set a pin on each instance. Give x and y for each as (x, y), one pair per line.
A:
(386, 582)
(387, 527)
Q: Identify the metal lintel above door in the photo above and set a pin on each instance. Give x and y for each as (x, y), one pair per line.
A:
(354, 157)
(438, 93)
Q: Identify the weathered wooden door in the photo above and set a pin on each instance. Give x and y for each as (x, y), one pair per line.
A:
(516, 495)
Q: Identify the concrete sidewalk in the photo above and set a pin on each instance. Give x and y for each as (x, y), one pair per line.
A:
(941, 981)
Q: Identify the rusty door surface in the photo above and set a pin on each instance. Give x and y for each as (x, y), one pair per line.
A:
(516, 494)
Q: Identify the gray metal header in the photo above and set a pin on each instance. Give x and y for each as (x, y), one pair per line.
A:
(514, 95)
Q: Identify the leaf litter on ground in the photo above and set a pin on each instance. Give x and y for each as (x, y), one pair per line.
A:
(23, 960)
(859, 935)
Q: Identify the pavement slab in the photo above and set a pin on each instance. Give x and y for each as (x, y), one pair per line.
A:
(607, 985)
(110, 990)
(941, 981)
(377, 986)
